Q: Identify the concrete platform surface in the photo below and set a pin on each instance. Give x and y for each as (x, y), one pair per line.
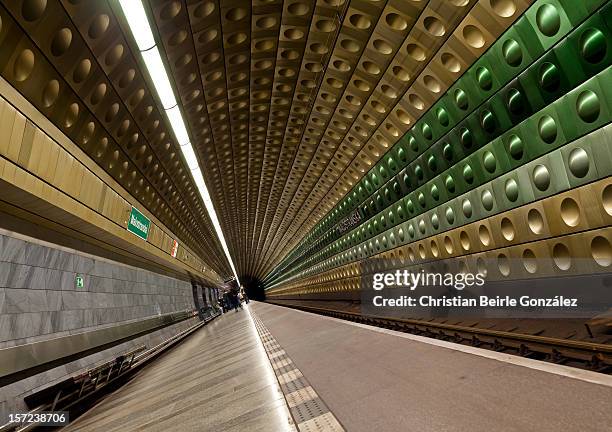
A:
(379, 380)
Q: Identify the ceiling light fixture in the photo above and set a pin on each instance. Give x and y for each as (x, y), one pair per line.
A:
(157, 71)
(177, 124)
(138, 21)
(136, 18)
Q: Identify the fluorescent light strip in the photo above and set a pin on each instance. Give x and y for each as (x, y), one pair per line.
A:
(190, 156)
(138, 21)
(156, 69)
(136, 18)
(177, 124)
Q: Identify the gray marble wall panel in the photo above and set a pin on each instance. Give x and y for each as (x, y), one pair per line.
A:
(39, 300)
(39, 297)
(12, 250)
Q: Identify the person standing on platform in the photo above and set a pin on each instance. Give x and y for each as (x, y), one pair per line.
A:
(219, 306)
(226, 302)
(235, 300)
(244, 295)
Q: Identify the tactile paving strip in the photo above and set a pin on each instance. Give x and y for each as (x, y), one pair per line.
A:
(307, 408)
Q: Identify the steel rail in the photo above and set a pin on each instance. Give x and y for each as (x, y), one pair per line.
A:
(586, 355)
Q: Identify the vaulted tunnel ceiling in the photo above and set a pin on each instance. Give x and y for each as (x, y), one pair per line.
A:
(288, 103)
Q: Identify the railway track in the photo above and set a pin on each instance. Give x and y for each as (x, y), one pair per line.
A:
(596, 357)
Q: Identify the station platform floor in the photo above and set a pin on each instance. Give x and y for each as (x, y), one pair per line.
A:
(218, 379)
(325, 374)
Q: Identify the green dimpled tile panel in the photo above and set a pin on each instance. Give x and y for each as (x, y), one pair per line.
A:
(528, 120)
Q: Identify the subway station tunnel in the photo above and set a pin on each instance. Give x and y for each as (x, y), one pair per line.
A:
(160, 160)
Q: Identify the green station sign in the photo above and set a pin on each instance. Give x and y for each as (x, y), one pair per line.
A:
(79, 281)
(139, 224)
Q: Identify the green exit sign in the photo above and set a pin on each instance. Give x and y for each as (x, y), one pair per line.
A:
(79, 281)
(139, 224)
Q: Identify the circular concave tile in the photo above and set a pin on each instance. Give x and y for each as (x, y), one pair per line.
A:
(548, 19)
(24, 64)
